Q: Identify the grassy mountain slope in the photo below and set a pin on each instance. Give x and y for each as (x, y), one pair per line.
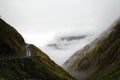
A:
(10, 41)
(99, 60)
(36, 67)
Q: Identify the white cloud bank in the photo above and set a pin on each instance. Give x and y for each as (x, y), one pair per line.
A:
(63, 45)
(39, 20)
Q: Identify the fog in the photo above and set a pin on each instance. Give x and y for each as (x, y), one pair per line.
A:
(39, 21)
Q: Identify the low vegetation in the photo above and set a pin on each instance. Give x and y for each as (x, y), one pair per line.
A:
(101, 60)
(38, 66)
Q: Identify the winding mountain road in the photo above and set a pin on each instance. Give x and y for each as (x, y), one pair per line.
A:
(28, 53)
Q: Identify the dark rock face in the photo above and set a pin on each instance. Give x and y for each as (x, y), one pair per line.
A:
(15, 65)
(102, 61)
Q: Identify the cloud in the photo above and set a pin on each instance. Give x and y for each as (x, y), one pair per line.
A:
(71, 38)
(63, 45)
(65, 41)
(42, 17)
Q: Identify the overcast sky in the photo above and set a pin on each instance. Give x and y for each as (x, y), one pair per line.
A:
(33, 18)
(40, 20)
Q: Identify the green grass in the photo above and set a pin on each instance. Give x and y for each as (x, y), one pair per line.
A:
(103, 61)
(39, 66)
(10, 39)
(2, 78)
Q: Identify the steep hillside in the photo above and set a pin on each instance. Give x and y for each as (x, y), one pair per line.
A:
(99, 60)
(21, 61)
(11, 42)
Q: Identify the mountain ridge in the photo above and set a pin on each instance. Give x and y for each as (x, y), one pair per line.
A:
(34, 65)
(98, 60)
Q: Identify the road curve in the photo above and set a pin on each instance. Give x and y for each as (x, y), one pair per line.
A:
(28, 53)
